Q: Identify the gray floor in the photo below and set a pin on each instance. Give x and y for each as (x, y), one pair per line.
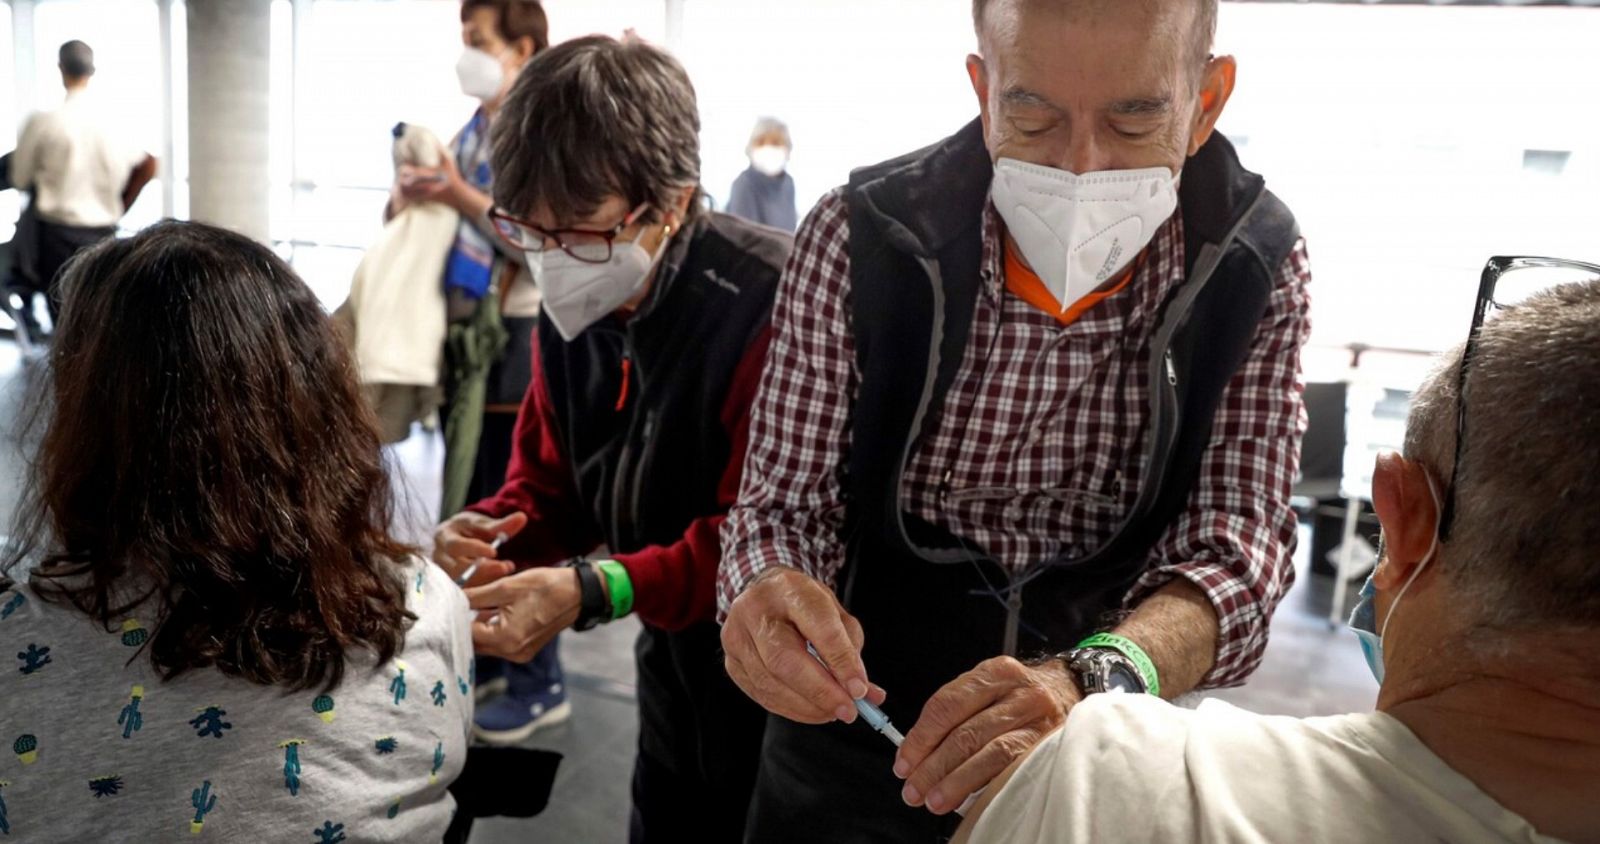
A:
(1309, 669)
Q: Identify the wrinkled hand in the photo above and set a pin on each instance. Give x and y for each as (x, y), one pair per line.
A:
(974, 727)
(520, 614)
(464, 539)
(765, 640)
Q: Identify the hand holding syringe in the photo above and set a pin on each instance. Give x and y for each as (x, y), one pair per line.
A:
(466, 575)
(878, 720)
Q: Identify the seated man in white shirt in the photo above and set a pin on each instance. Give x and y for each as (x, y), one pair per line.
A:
(1482, 626)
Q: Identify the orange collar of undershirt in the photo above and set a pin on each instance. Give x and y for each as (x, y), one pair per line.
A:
(1026, 285)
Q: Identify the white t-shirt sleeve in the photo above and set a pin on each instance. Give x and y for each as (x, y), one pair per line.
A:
(447, 599)
(1113, 772)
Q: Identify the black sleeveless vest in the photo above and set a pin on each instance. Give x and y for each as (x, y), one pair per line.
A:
(931, 608)
(643, 440)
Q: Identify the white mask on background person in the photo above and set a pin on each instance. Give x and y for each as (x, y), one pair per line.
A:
(577, 294)
(1077, 232)
(480, 74)
(770, 160)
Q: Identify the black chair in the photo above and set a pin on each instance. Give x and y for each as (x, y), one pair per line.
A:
(512, 782)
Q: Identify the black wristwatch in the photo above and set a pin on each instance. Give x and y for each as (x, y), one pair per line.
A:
(1103, 670)
(593, 609)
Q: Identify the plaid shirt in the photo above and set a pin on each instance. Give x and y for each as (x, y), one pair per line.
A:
(1038, 446)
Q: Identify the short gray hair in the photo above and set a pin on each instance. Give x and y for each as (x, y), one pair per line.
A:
(597, 117)
(1205, 29)
(1528, 497)
(769, 126)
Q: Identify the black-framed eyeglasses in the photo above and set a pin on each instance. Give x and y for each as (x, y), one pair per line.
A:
(591, 246)
(1506, 282)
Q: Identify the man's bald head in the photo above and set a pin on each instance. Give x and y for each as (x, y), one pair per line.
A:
(1203, 22)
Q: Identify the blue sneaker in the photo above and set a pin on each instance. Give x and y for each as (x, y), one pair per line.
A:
(490, 673)
(535, 698)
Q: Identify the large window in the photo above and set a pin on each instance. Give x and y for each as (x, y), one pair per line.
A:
(827, 68)
(1415, 141)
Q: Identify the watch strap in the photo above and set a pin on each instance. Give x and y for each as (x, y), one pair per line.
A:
(1135, 654)
(593, 609)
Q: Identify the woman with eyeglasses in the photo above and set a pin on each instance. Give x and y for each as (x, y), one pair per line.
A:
(632, 437)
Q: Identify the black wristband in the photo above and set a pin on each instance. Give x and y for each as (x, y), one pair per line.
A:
(593, 609)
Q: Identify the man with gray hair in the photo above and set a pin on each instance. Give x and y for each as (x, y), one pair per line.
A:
(1481, 626)
(1029, 427)
(83, 178)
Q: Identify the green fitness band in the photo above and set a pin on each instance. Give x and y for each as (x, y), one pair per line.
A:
(618, 585)
(1135, 654)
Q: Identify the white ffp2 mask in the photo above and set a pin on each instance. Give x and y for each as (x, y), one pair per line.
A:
(1077, 232)
(769, 160)
(480, 74)
(577, 294)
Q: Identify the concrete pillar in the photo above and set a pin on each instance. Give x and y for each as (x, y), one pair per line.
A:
(229, 64)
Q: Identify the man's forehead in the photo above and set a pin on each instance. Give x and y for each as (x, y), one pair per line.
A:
(1123, 62)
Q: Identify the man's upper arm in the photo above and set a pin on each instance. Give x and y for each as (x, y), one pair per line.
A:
(1234, 540)
(790, 501)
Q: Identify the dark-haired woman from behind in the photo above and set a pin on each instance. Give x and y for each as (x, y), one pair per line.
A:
(215, 636)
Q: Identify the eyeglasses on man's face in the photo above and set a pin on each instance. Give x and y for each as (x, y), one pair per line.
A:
(1506, 283)
(591, 246)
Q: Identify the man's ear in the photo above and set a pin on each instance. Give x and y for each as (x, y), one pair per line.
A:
(1216, 88)
(1409, 517)
(978, 72)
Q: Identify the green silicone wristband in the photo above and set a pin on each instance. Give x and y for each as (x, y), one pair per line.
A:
(619, 586)
(1130, 649)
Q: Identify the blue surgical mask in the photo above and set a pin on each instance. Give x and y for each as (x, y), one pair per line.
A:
(1364, 618)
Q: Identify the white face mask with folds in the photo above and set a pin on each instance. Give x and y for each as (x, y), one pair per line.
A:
(769, 160)
(577, 294)
(480, 74)
(1077, 232)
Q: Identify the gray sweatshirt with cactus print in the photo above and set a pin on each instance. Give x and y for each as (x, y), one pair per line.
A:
(95, 747)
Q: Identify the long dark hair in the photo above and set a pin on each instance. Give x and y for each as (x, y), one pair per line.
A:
(207, 459)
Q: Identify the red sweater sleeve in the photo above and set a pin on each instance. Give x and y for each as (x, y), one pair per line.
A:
(539, 482)
(675, 585)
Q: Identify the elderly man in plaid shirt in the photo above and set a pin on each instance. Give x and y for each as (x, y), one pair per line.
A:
(1027, 429)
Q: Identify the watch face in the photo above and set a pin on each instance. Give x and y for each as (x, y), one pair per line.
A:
(1120, 678)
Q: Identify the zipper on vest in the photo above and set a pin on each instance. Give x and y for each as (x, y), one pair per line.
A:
(627, 371)
(1013, 618)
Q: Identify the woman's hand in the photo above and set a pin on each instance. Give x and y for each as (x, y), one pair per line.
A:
(518, 615)
(467, 539)
(442, 184)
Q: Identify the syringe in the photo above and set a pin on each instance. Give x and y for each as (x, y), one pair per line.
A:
(875, 717)
(471, 570)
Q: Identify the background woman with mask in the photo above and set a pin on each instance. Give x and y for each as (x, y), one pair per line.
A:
(493, 310)
(764, 193)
